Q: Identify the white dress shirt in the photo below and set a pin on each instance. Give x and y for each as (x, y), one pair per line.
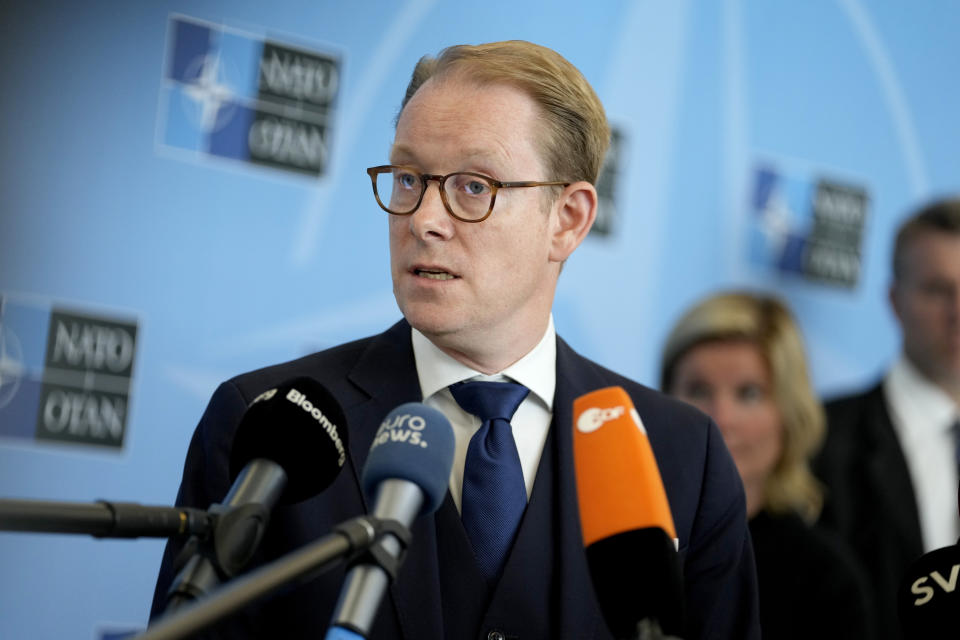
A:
(923, 415)
(537, 371)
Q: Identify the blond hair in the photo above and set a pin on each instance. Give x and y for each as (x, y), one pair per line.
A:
(576, 131)
(767, 324)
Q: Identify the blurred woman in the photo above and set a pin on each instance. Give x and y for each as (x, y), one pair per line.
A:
(740, 358)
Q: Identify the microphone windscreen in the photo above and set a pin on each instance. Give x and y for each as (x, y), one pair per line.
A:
(300, 426)
(928, 600)
(618, 482)
(636, 575)
(628, 529)
(414, 443)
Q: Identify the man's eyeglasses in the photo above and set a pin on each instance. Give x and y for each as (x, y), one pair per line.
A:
(467, 196)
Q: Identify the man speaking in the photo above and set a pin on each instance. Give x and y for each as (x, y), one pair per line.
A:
(489, 189)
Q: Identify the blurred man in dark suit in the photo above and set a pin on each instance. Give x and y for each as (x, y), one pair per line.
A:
(490, 188)
(890, 458)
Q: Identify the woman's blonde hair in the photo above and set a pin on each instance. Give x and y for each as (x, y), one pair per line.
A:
(766, 323)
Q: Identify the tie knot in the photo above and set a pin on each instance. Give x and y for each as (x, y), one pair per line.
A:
(489, 400)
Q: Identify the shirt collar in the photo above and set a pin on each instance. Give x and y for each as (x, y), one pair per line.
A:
(919, 403)
(537, 370)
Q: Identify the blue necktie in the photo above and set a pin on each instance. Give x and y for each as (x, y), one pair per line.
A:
(494, 495)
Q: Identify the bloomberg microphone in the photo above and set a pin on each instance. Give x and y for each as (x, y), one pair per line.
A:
(406, 474)
(628, 529)
(290, 445)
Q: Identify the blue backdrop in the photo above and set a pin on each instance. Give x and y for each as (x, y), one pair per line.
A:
(130, 194)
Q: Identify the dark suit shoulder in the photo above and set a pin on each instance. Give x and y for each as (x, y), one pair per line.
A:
(800, 568)
(790, 550)
(318, 365)
(849, 404)
(677, 430)
(329, 367)
(855, 423)
(663, 412)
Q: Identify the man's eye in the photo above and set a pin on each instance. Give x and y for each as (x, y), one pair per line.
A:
(469, 185)
(476, 187)
(406, 180)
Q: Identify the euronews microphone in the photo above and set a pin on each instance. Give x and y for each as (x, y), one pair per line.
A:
(628, 530)
(406, 474)
(290, 445)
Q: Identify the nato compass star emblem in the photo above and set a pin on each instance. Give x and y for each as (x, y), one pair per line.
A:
(230, 94)
(11, 365)
(209, 97)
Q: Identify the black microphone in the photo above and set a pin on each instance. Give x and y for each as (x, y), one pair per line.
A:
(627, 526)
(289, 446)
(406, 474)
(407, 470)
(928, 601)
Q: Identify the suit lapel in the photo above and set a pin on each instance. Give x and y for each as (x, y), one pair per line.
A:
(387, 374)
(579, 613)
(888, 471)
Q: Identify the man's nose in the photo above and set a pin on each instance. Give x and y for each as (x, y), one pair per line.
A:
(431, 217)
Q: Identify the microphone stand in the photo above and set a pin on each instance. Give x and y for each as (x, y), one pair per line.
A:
(348, 540)
(103, 519)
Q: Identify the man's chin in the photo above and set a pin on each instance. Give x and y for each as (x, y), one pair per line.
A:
(433, 323)
(948, 375)
(952, 375)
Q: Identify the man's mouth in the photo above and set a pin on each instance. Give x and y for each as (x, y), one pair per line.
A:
(434, 274)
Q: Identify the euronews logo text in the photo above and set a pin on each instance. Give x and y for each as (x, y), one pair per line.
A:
(401, 428)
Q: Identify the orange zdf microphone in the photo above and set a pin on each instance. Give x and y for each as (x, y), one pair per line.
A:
(628, 530)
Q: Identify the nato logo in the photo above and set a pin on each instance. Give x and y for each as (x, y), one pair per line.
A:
(228, 94)
(805, 225)
(607, 181)
(11, 364)
(64, 375)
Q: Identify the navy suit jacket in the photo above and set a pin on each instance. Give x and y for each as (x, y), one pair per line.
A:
(870, 499)
(369, 378)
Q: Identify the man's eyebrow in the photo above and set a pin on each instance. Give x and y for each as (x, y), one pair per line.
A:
(403, 154)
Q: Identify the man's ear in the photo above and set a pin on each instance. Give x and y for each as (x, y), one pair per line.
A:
(575, 210)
